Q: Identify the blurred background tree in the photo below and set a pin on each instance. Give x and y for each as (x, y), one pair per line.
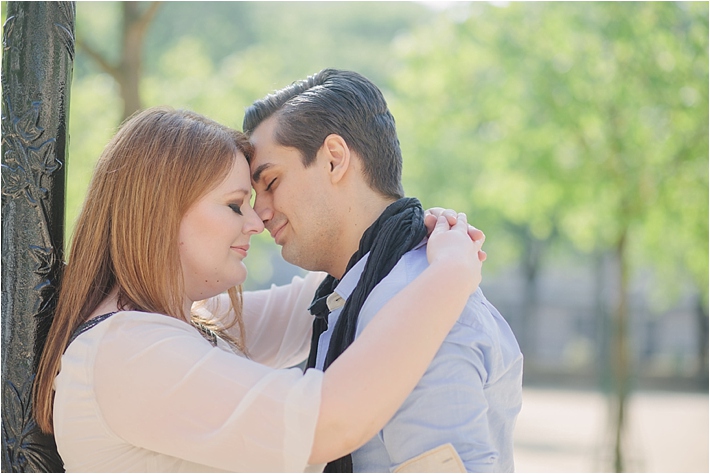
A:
(574, 134)
(586, 123)
(217, 58)
(126, 70)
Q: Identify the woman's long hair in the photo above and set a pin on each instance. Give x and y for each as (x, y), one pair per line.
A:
(158, 164)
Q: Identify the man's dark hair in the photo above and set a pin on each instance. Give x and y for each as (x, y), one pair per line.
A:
(340, 102)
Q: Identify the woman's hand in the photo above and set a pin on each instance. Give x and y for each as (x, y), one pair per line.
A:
(453, 246)
(431, 216)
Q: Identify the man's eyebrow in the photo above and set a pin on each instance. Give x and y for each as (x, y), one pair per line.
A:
(260, 169)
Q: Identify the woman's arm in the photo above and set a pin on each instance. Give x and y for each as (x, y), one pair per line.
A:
(365, 386)
(277, 323)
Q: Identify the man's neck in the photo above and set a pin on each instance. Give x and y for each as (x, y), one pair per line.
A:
(354, 227)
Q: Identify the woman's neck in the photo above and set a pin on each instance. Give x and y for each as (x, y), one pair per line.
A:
(108, 305)
(187, 309)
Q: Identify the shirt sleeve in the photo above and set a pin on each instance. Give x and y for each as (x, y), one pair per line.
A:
(277, 323)
(448, 405)
(159, 385)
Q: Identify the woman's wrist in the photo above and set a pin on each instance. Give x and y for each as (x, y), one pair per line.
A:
(457, 275)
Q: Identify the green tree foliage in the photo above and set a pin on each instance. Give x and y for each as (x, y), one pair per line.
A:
(512, 114)
(126, 71)
(575, 124)
(589, 119)
(217, 58)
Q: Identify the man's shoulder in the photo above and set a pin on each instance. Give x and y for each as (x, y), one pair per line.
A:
(410, 265)
(479, 313)
(407, 269)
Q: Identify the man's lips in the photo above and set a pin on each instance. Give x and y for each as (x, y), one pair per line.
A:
(276, 231)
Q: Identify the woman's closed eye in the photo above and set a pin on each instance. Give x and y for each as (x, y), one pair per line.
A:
(236, 208)
(270, 184)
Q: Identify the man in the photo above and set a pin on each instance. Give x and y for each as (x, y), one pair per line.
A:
(327, 174)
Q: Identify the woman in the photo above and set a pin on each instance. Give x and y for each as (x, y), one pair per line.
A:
(144, 370)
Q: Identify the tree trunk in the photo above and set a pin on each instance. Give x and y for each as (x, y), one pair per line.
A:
(620, 362)
(130, 69)
(127, 72)
(531, 259)
(36, 78)
(702, 318)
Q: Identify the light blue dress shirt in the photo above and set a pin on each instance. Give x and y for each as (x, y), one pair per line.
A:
(469, 396)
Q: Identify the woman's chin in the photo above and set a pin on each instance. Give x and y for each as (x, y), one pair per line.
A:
(241, 275)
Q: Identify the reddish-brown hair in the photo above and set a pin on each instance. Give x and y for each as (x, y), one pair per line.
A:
(158, 164)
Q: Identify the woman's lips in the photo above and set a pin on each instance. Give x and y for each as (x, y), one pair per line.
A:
(241, 249)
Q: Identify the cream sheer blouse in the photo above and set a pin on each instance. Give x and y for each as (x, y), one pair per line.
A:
(143, 392)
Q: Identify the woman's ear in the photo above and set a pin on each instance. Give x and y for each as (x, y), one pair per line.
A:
(337, 154)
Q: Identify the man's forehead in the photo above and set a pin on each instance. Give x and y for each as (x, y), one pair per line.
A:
(263, 133)
(259, 140)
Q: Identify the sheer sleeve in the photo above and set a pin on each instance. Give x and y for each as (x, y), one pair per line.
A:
(277, 323)
(162, 387)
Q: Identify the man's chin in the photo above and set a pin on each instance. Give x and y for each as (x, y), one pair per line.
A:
(294, 257)
(288, 256)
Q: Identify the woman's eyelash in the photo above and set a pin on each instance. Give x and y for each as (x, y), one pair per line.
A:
(269, 186)
(236, 208)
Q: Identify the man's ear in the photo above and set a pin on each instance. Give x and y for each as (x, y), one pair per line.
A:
(337, 153)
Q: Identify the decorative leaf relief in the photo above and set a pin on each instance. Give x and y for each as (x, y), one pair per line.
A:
(45, 257)
(43, 158)
(14, 181)
(8, 33)
(6, 109)
(28, 159)
(25, 444)
(15, 413)
(10, 155)
(45, 305)
(68, 12)
(27, 126)
(66, 37)
(22, 157)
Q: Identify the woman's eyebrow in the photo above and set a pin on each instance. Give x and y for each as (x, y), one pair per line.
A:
(242, 191)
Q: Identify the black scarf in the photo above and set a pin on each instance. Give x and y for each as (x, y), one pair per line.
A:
(398, 230)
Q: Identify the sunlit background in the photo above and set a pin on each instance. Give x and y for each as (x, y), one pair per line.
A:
(574, 134)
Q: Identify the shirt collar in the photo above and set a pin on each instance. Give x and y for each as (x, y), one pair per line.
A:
(347, 285)
(422, 243)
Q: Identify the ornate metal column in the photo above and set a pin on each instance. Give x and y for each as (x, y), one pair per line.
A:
(37, 63)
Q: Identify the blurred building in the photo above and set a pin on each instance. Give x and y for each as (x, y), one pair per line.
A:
(564, 331)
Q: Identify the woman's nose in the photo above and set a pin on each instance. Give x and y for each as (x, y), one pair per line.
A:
(254, 223)
(263, 208)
